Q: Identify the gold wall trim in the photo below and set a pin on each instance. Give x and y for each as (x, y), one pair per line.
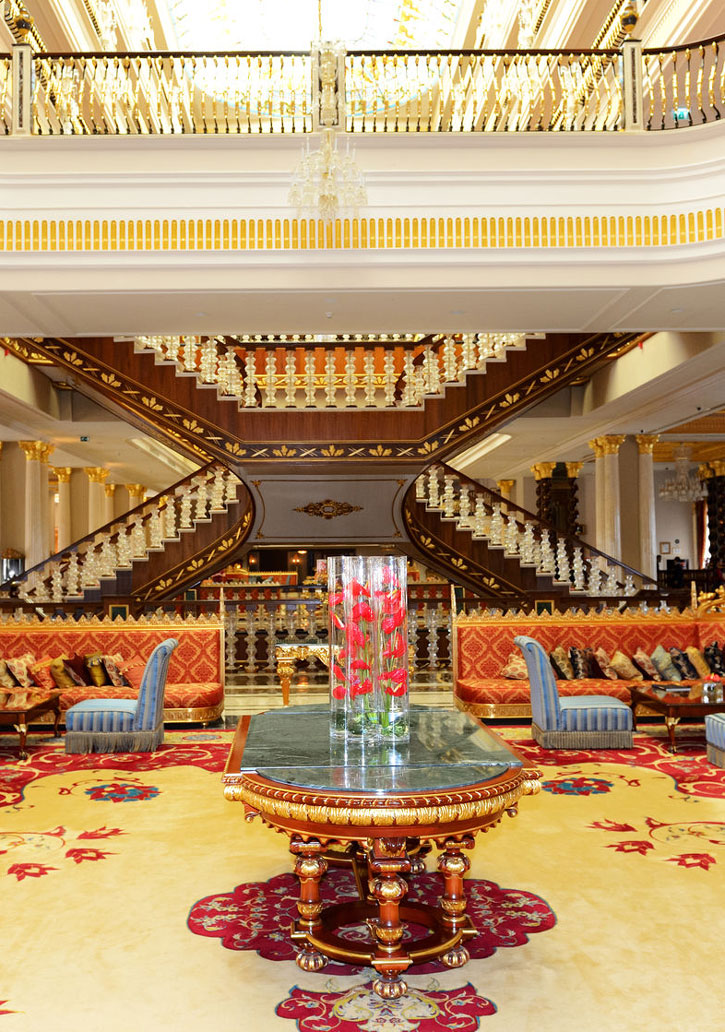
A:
(291, 234)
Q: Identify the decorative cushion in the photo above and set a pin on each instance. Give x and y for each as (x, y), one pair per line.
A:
(64, 675)
(562, 664)
(19, 669)
(625, 667)
(604, 663)
(6, 678)
(645, 664)
(96, 670)
(113, 671)
(582, 662)
(698, 661)
(714, 658)
(41, 674)
(515, 667)
(4, 696)
(77, 663)
(683, 666)
(666, 669)
(134, 674)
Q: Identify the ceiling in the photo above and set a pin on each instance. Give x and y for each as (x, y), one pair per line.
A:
(669, 400)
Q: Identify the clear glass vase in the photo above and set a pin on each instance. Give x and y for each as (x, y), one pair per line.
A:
(367, 600)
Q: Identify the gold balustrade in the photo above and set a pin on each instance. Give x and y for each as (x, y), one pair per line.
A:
(467, 91)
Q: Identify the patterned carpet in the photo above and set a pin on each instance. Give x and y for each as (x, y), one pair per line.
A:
(135, 896)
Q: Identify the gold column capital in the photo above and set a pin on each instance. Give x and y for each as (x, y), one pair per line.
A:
(135, 489)
(646, 443)
(713, 468)
(573, 469)
(96, 474)
(504, 486)
(62, 473)
(37, 450)
(597, 446)
(543, 470)
(612, 443)
(110, 490)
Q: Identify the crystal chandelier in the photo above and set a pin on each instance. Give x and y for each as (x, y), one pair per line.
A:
(327, 183)
(685, 486)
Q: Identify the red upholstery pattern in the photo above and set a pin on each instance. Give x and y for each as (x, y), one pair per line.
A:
(483, 646)
(195, 678)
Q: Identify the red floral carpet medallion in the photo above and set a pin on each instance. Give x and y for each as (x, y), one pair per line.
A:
(258, 915)
(422, 1010)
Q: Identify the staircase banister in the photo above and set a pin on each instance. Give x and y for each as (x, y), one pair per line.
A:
(570, 538)
(681, 47)
(105, 529)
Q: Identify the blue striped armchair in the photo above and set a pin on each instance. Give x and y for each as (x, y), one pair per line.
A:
(578, 722)
(715, 737)
(123, 725)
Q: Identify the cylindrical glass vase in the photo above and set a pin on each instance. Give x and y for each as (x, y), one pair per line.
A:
(367, 599)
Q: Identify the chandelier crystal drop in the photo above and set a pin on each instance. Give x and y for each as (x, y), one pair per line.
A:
(685, 486)
(327, 183)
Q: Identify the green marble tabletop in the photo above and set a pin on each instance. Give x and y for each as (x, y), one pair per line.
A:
(447, 749)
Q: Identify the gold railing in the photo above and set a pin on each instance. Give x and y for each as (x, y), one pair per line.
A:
(385, 91)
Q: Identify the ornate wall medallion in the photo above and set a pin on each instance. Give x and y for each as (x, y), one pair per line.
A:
(328, 509)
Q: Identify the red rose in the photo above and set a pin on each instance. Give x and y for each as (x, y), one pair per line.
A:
(339, 691)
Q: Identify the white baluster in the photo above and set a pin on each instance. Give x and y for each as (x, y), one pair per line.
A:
(173, 346)
(562, 561)
(369, 376)
(217, 493)
(408, 394)
(450, 371)
(73, 577)
(156, 531)
(420, 488)
(250, 380)
(200, 514)
(528, 545)
(190, 354)
(496, 526)
(546, 563)
(389, 378)
(330, 385)
(464, 507)
(270, 380)
(170, 530)
(611, 587)
(290, 379)
(230, 488)
(480, 519)
(310, 382)
(89, 575)
(578, 569)
(511, 537)
(123, 548)
(56, 582)
(468, 353)
(185, 509)
(349, 378)
(138, 539)
(208, 361)
(433, 502)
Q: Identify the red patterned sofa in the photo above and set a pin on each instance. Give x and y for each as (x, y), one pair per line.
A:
(482, 644)
(195, 684)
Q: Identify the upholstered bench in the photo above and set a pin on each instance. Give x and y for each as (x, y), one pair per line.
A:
(483, 644)
(195, 685)
(715, 736)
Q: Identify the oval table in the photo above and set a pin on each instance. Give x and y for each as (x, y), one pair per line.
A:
(378, 809)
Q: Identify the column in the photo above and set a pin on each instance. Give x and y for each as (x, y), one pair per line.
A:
(573, 469)
(647, 521)
(597, 447)
(505, 489)
(713, 473)
(96, 475)
(1, 529)
(109, 513)
(543, 472)
(36, 501)
(63, 473)
(612, 524)
(136, 494)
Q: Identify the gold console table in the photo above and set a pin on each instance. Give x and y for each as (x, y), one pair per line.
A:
(287, 653)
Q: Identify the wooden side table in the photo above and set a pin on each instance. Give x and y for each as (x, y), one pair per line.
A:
(20, 717)
(455, 779)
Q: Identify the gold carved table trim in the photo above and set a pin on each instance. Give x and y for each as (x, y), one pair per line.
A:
(288, 653)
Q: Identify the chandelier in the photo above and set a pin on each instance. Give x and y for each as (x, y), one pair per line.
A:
(327, 183)
(685, 486)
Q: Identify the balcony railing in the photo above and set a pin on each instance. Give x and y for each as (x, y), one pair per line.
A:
(392, 92)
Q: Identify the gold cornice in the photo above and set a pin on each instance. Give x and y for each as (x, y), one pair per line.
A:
(36, 450)
(62, 473)
(573, 469)
(543, 470)
(96, 474)
(646, 443)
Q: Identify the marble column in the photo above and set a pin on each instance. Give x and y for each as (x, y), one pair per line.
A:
(109, 513)
(505, 489)
(136, 494)
(647, 521)
(612, 520)
(37, 501)
(96, 476)
(63, 473)
(598, 448)
(713, 473)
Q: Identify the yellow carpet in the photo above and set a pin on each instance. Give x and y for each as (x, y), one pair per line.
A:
(100, 867)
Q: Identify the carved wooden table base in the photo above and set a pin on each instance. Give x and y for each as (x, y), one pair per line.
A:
(288, 654)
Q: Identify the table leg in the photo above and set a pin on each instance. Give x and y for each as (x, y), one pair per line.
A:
(285, 672)
(56, 721)
(22, 730)
(672, 723)
(633, 707)
(309, 868)
(387, 863)
(453, 865)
